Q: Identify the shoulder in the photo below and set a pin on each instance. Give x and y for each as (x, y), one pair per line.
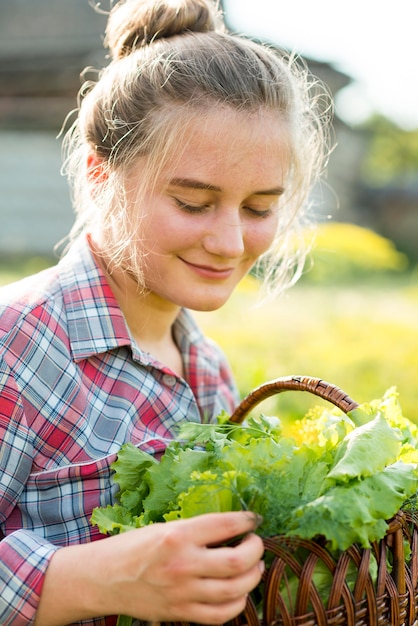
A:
(41, 300)
(30, 297)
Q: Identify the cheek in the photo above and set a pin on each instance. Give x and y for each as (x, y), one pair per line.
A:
(155, 231)
(181, 229)
(260, 236)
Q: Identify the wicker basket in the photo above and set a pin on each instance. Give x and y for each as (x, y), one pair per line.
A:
(389, 600)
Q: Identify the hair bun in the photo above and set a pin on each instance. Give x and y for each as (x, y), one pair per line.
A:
(133, 24)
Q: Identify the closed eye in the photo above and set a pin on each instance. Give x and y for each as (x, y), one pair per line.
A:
(190, 208)
(258, 212)
(253, 211)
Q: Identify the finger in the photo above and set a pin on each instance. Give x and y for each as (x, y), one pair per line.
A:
(225, 590)
(224, 562)
(201, 613)
(217, 528)
(231, 561)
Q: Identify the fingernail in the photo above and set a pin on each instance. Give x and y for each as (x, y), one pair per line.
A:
(258, 520)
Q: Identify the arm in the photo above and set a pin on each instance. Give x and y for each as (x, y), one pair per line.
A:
(24, 557)
(164, 572)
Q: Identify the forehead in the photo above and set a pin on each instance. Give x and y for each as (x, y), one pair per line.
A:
(224, 142)
(222, 126)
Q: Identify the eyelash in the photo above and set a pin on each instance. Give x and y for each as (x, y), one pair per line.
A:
(190, 208)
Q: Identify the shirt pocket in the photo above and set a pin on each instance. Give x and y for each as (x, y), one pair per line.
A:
(58, 503)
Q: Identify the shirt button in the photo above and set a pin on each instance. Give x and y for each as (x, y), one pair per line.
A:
(169, 380)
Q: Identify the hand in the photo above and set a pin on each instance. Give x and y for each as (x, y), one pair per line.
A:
(178, 571)
(170, 572)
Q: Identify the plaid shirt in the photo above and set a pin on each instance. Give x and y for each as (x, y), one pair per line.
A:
(74, 386)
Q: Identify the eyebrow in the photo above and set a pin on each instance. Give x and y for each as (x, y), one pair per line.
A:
(191, 183)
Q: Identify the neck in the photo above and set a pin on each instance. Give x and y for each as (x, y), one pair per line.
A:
(149, 318)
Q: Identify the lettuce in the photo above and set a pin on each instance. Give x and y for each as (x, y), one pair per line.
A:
(333, 475)
(366, 450)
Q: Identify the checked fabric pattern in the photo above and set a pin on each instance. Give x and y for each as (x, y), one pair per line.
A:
(74, 387)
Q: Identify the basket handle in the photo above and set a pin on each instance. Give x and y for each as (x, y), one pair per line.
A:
(316, 386)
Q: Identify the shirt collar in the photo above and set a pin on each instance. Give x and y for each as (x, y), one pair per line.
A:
(95, 321)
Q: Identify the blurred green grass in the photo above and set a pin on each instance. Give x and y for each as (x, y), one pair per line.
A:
(363, 338)
(351, 320)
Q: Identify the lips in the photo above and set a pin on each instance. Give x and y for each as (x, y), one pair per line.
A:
(210, 272)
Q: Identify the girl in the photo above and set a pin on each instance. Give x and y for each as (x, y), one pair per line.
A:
(190, 161)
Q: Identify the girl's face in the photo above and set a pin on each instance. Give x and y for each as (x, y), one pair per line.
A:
(213, 211)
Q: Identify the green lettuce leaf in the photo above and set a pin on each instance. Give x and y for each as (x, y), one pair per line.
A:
(211, 492)
(180, 466)
(113, 520)
(329, 477)
(366, 450)
(356, 512)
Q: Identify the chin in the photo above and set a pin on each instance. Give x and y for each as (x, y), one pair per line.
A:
(201, 298)
(206, 304)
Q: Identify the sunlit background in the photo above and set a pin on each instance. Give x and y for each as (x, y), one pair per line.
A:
(352, 319)
(374, 42)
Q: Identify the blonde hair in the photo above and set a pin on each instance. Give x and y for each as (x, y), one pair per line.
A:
(172, 61)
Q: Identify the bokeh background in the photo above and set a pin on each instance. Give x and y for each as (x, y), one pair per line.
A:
(352, 319)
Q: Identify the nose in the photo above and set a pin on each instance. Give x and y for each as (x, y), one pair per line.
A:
(225, 237)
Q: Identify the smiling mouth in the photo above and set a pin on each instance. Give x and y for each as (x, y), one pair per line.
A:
(207, 271)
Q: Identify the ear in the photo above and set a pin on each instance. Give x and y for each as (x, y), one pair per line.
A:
(96, 169)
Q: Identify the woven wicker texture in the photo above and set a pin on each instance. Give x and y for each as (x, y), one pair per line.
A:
(354, 597)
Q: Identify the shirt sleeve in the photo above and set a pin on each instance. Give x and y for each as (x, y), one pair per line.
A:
(24, 557)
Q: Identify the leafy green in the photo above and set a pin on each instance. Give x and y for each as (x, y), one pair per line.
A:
(329, 477)
(113, 519)
(337, 476)
(366, 450)
(355, 512)
(130, 469)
